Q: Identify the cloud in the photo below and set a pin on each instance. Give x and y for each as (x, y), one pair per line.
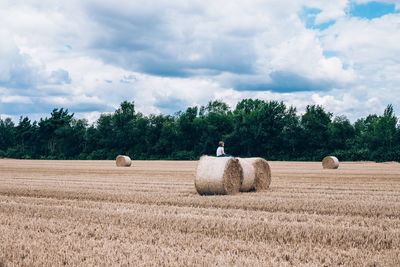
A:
(17, 105)
(170, 105)
(284, 82)
(321, 11)
(174, 39)
(174, 54)
(59, 76)
(20, 71)
(364, 40)
(370, 47)
(166, 40)
(309, 18)
(17, 70)
(15, 99)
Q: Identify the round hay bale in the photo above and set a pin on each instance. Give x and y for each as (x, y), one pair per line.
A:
(330, 162)
(218, 176)
(262, 173)
(249, 175)
(123, 161)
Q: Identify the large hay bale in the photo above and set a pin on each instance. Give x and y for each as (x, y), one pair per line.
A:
(218, 176)
(330, 162)
(256, 174)
(249, 175)
(123, 161)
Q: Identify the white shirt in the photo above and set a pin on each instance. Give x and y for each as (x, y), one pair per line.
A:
(220, 151)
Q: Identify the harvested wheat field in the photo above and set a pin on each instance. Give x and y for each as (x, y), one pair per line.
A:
(85, 213)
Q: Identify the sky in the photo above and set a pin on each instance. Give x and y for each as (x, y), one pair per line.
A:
(89, 56)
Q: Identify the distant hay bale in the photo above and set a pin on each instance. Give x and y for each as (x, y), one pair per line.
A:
(218, 176)
(330, 162)
(256, 174)
(123, 161)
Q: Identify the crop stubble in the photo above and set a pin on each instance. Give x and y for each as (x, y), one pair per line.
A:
(93, 213)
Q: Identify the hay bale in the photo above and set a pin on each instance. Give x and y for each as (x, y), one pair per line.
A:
(249, 175)
(218, 176)
(330, 162)
(256, 174)
(123, 161)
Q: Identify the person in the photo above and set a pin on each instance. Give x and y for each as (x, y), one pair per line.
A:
(220, 150)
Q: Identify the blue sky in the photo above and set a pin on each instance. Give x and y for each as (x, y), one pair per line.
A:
(88, 56)
(371, 10)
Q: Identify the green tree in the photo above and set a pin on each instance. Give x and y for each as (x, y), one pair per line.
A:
(254, 128)
(290, 137)
(25, 135)
(187, 129)
(263, 128)
(376, 136)
(245, 126)
(169, 138)
(315, 123)
(52, 132)
(7, 134)
(214, 124)
(341, 134)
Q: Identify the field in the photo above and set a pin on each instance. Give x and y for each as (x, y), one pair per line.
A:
(55, 213)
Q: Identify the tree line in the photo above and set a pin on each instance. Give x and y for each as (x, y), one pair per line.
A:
(268, 129)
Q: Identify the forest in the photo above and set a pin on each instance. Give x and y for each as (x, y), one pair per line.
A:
(268, 129)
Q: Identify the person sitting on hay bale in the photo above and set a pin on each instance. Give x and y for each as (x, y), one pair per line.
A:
(221, 151)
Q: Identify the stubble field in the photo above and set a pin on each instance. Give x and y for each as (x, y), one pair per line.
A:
(84, 213)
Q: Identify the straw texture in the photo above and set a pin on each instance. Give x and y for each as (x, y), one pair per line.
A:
(218, 176)
(257, 176)
(123, 161)
(330, 162)
(249, 174)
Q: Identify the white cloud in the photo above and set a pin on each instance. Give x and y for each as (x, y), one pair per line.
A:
(15, 99)
(304, 55)
(16, 69)
(371, 48)
(364, 41)
(90, 56)
(330, 10)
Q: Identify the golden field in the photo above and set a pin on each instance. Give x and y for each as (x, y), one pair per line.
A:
(91, 213)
